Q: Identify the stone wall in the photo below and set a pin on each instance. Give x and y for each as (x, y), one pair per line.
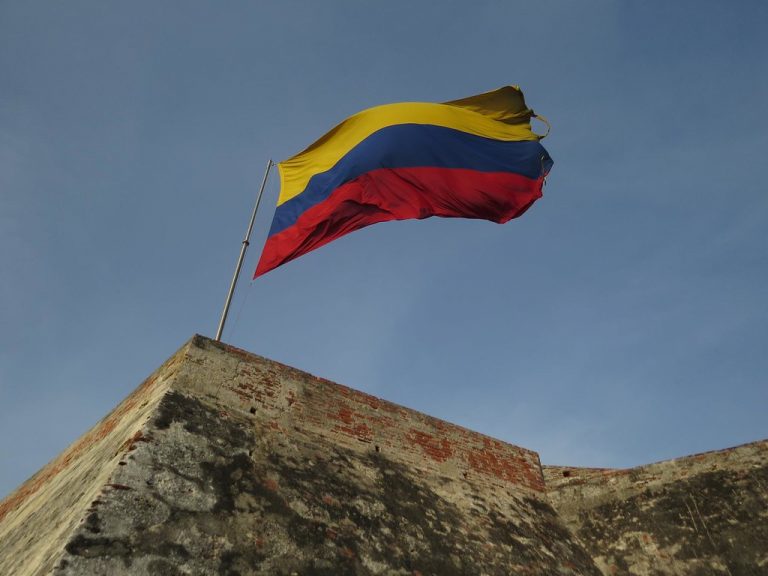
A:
(292, 402)
(226, 463)
(38, 518)
(240, 465)
(705, 514)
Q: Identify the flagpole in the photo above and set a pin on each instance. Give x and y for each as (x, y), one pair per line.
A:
(246, 242)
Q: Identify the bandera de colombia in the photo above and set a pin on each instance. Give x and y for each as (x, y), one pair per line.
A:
(471, 158)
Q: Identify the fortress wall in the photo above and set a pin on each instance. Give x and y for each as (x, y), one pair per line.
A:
(223, 462)
(227, 463)
(293, 402)
(705, 514)
(38, 517)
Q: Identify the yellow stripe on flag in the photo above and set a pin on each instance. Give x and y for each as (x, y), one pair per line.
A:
(500, 114)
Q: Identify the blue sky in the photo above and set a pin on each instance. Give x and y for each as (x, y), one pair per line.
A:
(622, 320)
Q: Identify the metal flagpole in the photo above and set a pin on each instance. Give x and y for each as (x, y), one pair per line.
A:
(246, 242)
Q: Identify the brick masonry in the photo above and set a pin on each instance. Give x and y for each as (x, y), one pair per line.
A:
(293, 402)
(224, 462)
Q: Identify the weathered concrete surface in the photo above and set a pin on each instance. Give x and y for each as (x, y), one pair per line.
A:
(700, 515)
(227, 463)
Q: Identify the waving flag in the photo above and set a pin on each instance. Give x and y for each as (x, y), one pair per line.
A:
(470, 158)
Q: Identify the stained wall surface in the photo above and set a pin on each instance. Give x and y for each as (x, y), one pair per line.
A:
(701, 515)
(38, 519)
(227, 463)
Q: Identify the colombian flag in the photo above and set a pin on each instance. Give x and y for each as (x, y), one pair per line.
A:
(470, 158)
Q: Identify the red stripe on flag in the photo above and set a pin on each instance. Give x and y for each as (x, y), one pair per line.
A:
(402, 194)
